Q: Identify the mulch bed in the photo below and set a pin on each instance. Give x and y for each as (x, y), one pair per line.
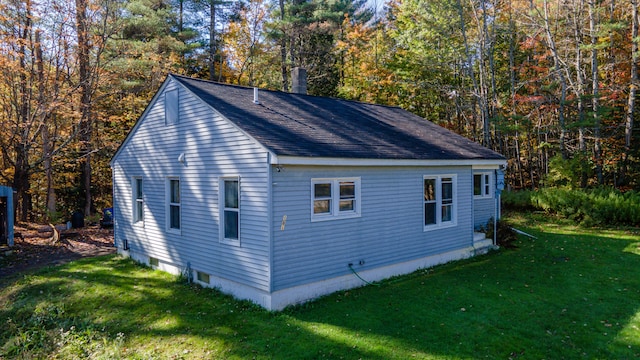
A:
(34, 247)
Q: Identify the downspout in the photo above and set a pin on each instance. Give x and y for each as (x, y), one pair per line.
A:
(499, 187)
(10, 217)
(495, 221)
(113, 206)
(473, 214)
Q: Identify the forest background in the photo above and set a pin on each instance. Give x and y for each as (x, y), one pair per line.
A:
(552, 85)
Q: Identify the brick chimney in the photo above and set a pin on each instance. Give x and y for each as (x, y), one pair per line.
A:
(298, 80)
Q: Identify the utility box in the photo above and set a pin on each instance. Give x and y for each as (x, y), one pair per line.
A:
(77, 220)
(6, 216)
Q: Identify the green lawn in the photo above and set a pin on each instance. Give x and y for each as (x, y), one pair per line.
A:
(572, 293)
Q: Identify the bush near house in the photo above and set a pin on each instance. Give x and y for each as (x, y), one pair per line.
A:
(505, 234)
(589, 207)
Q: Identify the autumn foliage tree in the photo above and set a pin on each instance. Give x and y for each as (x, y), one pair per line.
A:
(552, 85)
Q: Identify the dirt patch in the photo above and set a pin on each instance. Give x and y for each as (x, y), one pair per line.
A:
(34, 247)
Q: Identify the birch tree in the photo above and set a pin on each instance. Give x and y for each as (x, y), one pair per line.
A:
(633, 87)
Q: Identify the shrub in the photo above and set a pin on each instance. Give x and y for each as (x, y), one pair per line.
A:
(505, 235)
(569, 172)
(517, 200)
(589, 207)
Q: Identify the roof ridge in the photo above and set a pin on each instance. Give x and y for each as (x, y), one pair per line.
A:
(245, 87)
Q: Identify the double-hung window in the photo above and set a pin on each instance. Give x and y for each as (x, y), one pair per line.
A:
(230, 209)
(335, 198)
(174, 204)
(439, 201)
(482, 185)
(138, 200)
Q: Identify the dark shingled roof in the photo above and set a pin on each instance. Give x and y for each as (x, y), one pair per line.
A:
(311, 126)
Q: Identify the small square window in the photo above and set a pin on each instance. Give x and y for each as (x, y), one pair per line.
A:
(153, 262)
(202, 277)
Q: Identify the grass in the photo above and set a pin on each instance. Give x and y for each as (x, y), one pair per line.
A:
(572, 293)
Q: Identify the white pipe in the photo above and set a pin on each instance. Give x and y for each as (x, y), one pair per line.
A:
(255, 96)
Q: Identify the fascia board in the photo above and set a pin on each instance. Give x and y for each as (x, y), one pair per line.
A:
(328, 161)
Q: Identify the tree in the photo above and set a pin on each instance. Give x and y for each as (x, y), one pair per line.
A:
(595, 87)
(245, 43)
(35, 55)
(85, 82)
(634, 82)
(364, 49)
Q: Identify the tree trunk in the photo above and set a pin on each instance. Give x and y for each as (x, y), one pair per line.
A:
(482, 82)
(597, 150)
(633, 84)
(559, 72)
(22, 172)
(21, 184)
(579, 87)
(283, 49)
(489, 39)
(512, 81)
(50, 195)
(85, 126)
(48, 171)
(477, 92)
(180, 15)
(212, 40)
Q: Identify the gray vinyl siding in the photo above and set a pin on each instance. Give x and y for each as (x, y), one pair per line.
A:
(390, 229)
(213, 149)
(484, 207)
(483, 210)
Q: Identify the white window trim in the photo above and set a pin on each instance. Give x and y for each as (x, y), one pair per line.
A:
(137, 202)
(454, 210)
(335, 213)
(168, 204)
(486, 184)
(221, 202)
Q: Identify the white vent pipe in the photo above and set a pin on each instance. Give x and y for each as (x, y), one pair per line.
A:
(255, 96)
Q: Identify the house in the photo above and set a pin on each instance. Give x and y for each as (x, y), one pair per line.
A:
(283, 197)
(6, 216)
